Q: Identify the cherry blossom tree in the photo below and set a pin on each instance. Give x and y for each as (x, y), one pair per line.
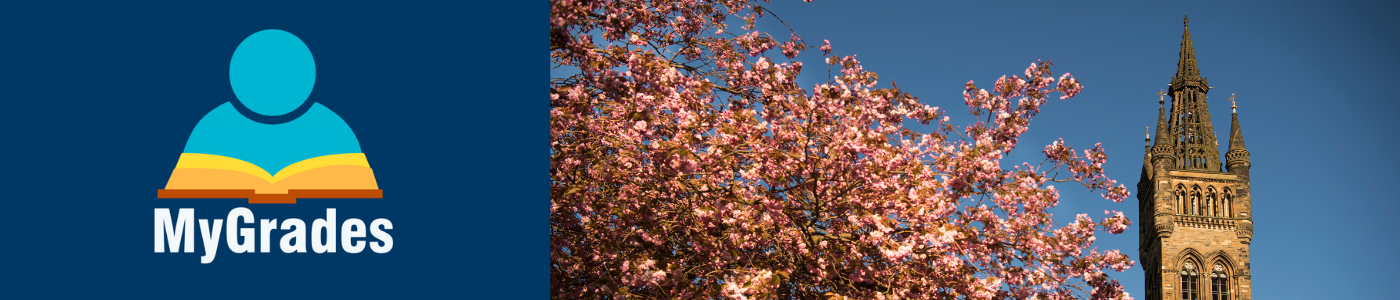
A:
(686, 162)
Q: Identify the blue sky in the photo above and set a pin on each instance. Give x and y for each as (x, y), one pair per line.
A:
(1311, 80)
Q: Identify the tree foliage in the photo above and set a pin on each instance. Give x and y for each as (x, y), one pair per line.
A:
(686, 162)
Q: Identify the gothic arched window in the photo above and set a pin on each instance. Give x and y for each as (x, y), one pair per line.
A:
(1212, 206)
(1227, 199)
(1195, 200)
(1219, 283)
(1190, 281)
(1181, 199)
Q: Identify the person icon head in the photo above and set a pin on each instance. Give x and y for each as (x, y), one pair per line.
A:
(272, 72)
(307, 152)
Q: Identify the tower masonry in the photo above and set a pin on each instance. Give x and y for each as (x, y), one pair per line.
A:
(1194, 208)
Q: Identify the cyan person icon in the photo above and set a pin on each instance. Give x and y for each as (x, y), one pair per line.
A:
(311, 154)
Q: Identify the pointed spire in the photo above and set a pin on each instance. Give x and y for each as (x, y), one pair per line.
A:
(1186, 69)
(1146, 155)
(1237, 158)
(1236, 139)
(1163, 136)
(1193, 138)
(1146, 166)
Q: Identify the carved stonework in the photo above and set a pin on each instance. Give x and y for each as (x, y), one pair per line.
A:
(1164, 225)
(1205, 222)
(1244, 231)
(1239, 156)
(1197, 179)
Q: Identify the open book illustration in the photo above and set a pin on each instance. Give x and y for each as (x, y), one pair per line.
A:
(199, 175)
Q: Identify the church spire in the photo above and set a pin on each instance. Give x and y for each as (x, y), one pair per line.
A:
(1186, 69)
(1190, 132)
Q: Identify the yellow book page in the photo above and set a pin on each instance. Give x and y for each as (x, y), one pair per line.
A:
(220, 162)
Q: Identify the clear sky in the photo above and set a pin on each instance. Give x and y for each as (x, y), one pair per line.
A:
(1312, 81)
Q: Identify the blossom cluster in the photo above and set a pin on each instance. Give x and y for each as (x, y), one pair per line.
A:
(687, 162)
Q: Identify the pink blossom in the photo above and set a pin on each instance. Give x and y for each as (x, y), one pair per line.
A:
(713, 168)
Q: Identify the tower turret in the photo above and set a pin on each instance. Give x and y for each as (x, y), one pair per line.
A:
(1236, 158)
(1163, 161)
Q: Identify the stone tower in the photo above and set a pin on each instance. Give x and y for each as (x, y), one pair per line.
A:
(1196, 216)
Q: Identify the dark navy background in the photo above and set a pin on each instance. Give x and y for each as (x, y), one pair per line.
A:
(99, 99)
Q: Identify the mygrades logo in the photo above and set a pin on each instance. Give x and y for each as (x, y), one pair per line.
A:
(307, 151)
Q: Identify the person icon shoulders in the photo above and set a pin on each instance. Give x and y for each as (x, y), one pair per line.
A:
(311, 153)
